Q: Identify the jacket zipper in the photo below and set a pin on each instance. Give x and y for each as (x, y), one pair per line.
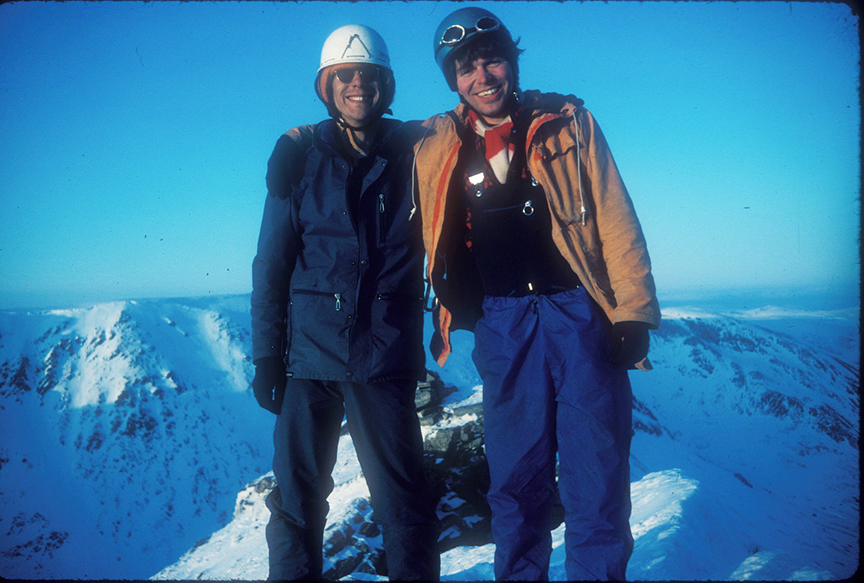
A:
(381, 211)
(337, 296)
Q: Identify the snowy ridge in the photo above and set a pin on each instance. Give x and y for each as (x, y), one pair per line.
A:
(130, 428)
(126, 428)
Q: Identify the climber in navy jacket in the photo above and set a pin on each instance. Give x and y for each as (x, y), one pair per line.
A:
(337, 316)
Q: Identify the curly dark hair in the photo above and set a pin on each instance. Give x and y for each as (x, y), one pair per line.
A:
(487, 46)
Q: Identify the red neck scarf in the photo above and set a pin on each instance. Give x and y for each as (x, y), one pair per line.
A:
(499, 146)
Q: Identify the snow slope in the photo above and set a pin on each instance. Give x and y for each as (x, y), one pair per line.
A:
(128, 429)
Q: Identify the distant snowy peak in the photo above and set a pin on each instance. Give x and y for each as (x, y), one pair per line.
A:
(143, 410)
(768, 312)
(743, 370)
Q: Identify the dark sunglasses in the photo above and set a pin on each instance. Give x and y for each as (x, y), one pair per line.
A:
(368, 73)
(457, 33)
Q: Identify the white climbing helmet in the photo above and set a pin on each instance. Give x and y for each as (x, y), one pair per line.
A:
(355, 43)
(359, 45)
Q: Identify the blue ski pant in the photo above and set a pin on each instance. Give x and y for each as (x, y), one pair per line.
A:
(549, 388)
(383, 424)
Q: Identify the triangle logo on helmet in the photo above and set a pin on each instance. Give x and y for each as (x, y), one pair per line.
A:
(356, 48)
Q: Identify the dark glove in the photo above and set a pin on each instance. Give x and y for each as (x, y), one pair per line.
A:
(269, 383)
(630, 343)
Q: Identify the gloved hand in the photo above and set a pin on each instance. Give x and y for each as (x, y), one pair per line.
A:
(630, 343)
(269, 383)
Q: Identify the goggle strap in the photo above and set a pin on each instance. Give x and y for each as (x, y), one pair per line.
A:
(463, 32)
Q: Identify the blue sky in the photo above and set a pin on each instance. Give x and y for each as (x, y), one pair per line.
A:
(135, 135)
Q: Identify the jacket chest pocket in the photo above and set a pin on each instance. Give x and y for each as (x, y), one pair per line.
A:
(557, 164)
(321, 297)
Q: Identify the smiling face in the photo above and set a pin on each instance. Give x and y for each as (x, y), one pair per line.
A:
(485, 84)
(357, 98)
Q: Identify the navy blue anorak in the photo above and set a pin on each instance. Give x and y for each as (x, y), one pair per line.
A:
(337, 279)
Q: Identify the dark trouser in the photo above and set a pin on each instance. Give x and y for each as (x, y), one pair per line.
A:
(549, 387)
(383, 424)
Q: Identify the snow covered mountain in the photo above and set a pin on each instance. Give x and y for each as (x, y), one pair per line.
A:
(127, 431)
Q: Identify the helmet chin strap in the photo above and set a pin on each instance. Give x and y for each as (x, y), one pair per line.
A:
(362, 138)
(345, 125)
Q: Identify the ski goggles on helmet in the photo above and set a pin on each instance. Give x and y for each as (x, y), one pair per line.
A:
(368, 73)
(456, 33)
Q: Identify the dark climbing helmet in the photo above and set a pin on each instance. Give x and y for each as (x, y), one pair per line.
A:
(458, 30)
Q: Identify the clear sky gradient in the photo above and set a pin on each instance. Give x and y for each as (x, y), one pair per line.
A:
(134, 136)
